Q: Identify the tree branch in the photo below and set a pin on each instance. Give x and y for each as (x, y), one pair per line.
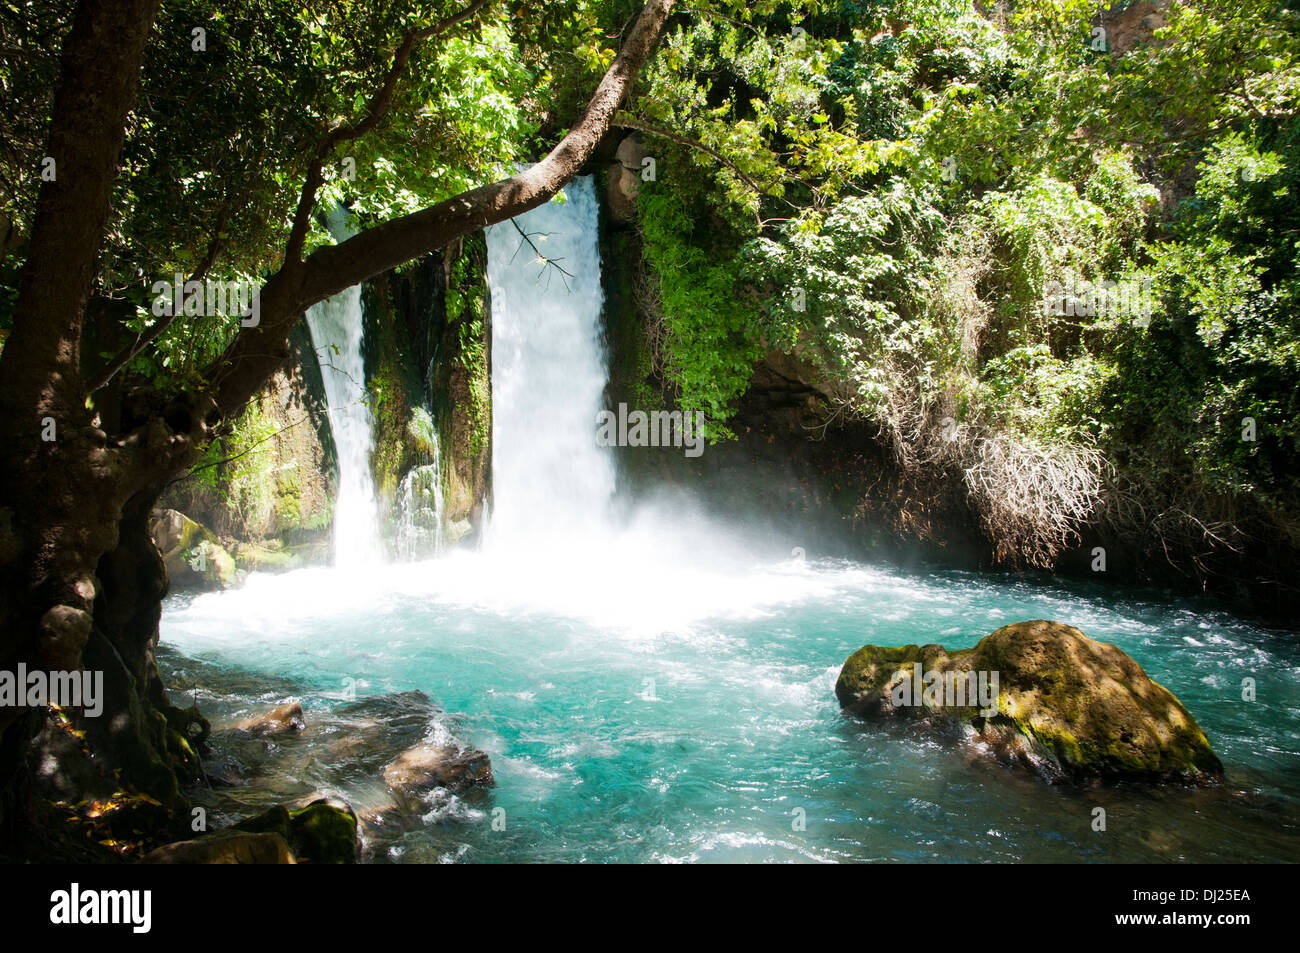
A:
(145, 338)
(257, 351)
(375, 112)
(630, 122)
(546, 262)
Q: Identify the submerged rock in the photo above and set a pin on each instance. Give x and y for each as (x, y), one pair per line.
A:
(427, 766)
(1042, 693)
(286, 718)
(226, 847)
(323, 832)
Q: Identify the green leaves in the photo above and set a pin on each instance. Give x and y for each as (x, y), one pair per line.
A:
(929, 170)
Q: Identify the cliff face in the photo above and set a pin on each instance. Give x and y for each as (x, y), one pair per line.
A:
(268, 486)
(273, 477)
(427, 367)
(798, 465)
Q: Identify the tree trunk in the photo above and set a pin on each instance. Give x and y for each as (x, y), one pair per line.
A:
(81, 583)
(59, 484)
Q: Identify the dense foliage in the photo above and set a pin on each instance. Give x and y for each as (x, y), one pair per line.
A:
(1049, 247)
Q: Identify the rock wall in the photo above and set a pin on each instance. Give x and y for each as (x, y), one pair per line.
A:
(265, 491)
(266, 487)
(427, 345)
(797, 467)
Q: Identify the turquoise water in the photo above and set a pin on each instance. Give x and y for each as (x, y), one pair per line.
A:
(681, 708)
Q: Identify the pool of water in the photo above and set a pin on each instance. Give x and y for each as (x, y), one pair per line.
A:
(681, 708)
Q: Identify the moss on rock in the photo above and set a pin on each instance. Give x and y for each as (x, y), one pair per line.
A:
(193, 555)
(226, 847)
(1074, 708)
(323, 832)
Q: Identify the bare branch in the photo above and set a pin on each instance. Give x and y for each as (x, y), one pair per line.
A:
(546, 262)
(630, 122)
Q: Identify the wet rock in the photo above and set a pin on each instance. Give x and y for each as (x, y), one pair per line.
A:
(271, 556)
(408, 708)
(323, 832)
(278, 721)
(192, 553)
(624, 179)
(427, 766)
(226, 847)
(225, 776)
(458, 532)
(1073, 708)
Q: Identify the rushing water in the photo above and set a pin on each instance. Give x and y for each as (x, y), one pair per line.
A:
(646, 710)
(549, 477)
(662, 690)
(336, 332)
(420, 506)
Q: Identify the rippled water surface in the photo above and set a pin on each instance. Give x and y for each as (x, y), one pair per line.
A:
(681, 708)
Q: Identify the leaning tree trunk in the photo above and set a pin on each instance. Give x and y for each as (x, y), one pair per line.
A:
(61, 486)
(149, 739)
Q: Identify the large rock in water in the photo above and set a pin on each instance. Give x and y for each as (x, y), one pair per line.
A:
(1072, 708)
(323, 832)
(427, 765)
(192, 553)
(278, 721)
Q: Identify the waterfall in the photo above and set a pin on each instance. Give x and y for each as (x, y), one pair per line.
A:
(419, 509)
(550, 479)
(336, 334)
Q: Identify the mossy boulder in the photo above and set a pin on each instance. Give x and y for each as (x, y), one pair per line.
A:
(193, 555)
(274, 555)
(226, 847)
(1072, 708)
(323, 832)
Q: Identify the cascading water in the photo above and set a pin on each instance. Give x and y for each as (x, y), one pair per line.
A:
(336, 334)
(658, 693)
(550, 479)
(419, 509)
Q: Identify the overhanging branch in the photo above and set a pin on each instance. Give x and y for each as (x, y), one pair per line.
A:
(631, 122)
(375, 112)
(257, 351)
